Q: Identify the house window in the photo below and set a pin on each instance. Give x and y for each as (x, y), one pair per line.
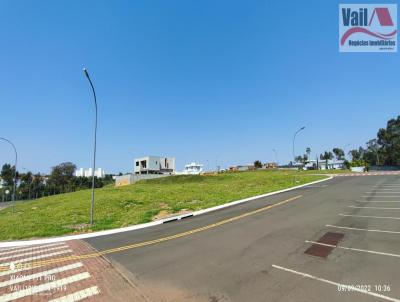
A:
(137, 164)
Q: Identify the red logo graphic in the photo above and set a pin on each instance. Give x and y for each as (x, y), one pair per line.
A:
(384, 19)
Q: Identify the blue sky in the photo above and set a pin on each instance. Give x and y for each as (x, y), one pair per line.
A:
(217, 81)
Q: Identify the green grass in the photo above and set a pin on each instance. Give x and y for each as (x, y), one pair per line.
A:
(138, 203)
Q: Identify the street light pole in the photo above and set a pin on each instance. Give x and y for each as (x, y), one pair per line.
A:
(344, 149)
(294, 138)
(15, 170)
(95, 143)
(276, 156)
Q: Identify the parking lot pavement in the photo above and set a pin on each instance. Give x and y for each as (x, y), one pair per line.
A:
(60, 272)
(364, 264)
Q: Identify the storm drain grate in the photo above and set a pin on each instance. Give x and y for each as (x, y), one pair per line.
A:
(322, 250)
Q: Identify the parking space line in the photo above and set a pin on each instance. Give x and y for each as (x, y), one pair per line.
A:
(377, 191)
(382, 196)
(80, 295)
(359, 229)
(383, 186)
(387, 190)
(354, 249)
(376, 187)
(344, 286)
(377, 201)
(364, 216)
(376, 208)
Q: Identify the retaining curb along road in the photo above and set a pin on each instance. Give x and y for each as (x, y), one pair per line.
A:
(150, 224)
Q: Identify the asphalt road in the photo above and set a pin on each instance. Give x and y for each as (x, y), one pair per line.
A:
(260, 256)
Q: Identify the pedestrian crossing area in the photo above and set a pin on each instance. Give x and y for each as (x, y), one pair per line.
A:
(66, 281)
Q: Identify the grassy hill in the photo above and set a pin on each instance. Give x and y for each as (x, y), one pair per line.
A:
(138, 203)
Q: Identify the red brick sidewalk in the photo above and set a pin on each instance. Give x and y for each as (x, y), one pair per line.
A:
(62, 278)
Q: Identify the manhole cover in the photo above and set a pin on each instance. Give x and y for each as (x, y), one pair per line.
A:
(323, 251)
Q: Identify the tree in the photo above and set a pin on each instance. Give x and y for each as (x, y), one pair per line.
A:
(373, 153)
(25, 186)
(327, 155)
(388, 140)
(61, 177)
(355, 154)
(257, 164)
(339, 153)
(7, 174)
(298, 159)
(38, 186)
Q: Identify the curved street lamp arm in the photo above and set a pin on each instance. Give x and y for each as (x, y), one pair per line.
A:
(294, 138)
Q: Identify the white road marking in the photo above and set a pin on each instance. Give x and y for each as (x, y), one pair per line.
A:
(377, 191)
(387, 186)
(377, 200)
(9, 272)
(43, 287)
(34, 252)
(364, 216)
(344, 286)
(77, 296)
(37, 257)
(376, 208)
(4, 251)
(382, 196)
(383, 191)
(357, 229)
(354, 249)
(40, 275)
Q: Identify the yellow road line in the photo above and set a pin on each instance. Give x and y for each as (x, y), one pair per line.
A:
(150, 242)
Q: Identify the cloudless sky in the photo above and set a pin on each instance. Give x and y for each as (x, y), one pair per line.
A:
(218, 81)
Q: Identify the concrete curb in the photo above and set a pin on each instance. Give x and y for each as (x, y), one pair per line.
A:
(149, 224)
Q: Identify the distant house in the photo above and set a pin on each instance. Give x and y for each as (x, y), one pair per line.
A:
(124, 180)
(270, 166)
(193, 168)
(322, 164)
(154, 165)
(99, 173)
(242, 168)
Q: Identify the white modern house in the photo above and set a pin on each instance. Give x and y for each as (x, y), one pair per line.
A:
(193, 168)
(99, 173)
(154, 165)
(322, 164)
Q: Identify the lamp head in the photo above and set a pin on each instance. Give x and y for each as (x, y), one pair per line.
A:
(85, 72)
